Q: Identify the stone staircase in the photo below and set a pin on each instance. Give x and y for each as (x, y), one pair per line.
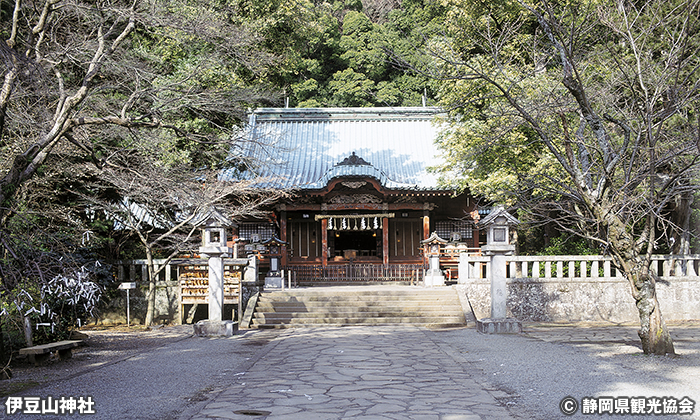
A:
(354, 305)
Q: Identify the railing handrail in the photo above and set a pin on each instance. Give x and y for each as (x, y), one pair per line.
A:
(655, 257)
(597, 267)
(181, 261)
(356, 271)
(520, 266)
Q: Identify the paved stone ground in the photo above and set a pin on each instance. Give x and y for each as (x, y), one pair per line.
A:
(355, 372)
(378, 373)
(531, 373)
(411, 373)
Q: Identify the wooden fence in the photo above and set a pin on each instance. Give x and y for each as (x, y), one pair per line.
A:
(356, 272)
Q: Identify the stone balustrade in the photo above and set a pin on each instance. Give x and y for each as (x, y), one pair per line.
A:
(575, 266)
(581, 287)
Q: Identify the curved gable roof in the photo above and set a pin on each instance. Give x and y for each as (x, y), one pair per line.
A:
(305, 148)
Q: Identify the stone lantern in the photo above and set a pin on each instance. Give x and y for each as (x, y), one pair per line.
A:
(497, 225)
(434, 276)
(214, 248)
(274, 277)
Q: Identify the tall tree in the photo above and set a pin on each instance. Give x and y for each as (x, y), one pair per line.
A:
(157, 204)
(73, 71)
(335, 51)
(89, 81)
(594, 107)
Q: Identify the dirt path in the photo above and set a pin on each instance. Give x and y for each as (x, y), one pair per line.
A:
(103, 346)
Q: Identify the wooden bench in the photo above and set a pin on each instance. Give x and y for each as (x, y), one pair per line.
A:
(40, 354)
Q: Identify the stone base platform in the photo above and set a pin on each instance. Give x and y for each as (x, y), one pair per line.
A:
(434, 278)
(499, 326)
(208, 328)
(274, 282)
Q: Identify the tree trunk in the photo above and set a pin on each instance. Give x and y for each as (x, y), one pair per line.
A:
(28, 331)
(681, 217)
(655, 337)
(2, 345)
(151, 296)
(636, 268)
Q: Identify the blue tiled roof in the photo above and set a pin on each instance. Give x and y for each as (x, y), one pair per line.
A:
(301, 148)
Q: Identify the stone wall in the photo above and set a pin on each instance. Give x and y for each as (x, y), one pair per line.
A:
(572, 300)
(167, 309)
(589, 296)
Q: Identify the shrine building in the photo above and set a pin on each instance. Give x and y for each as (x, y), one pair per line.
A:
(362, 196)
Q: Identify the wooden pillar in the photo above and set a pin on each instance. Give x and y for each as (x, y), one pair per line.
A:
(426, 234)
(385, 240)
(283, 237)
(324, 242)
(426, 226)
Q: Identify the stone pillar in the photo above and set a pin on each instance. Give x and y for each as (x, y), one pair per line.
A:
(215, 325)
(216, 287)
(250, 273)
(498, 247)
(214, 248)
(499, 289)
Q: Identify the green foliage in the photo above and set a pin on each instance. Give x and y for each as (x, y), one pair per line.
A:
(39, 251)
(569, 245)
(335, 55)
(56, 307)
(562, 132)
(349, 88)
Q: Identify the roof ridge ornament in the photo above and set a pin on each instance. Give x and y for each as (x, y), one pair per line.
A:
(353, 159)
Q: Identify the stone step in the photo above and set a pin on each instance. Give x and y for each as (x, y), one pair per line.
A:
(380, 312)
(419, 320)
(358, 306)
(358, 300)
(300, 306)
(425, 325)
(357, 292)
(355, 298)
(451, 310)
(363, 312)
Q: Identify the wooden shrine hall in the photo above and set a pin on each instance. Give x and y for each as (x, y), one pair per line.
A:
(363, 198)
